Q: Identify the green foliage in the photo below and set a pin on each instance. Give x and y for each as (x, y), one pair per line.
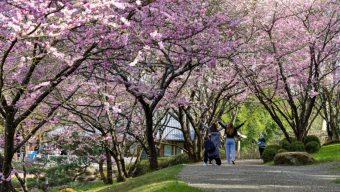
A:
(257, 121)
(163, 162)
(337, 181)
(310, 138)
(269, 154)
(276, 147)
(60, 172)
(328, 153)
(296, 146)
(284, 144)
(312, 147)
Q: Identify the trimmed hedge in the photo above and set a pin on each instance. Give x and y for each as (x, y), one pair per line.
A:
(310, 138)
(312, 147)
(285, 144)
(296, 146)
(269, 154)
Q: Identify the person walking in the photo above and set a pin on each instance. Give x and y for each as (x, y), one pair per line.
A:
(262, 144)
(231, 133)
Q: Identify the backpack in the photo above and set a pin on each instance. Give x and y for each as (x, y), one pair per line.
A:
(209, 146)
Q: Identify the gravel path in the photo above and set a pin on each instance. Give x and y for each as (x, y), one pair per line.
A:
(252, 175)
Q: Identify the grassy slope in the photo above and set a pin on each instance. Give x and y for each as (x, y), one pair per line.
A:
(162, 180)
(328, 153)
(158, 181)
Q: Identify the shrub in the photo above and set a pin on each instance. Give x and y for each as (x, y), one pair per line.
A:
(284, 143)
(296, 146)
(269, 154)
(310, 138)
(312, 147)
(276, 147)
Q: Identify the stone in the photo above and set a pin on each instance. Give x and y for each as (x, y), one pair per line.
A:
(293, 158)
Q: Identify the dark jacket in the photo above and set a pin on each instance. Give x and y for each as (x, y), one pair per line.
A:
(235, 130)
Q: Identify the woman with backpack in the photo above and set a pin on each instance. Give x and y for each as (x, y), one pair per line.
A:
(231, 133)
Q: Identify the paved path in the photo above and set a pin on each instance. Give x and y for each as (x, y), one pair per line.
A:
(253, 176)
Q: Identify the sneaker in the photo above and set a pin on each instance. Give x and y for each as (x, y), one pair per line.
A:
(233, 162)
(205, 164)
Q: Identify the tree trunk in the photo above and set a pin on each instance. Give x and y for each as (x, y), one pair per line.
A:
(120, 176)
(132, 169)
(101, 171)
(185, 128)
(109, 179)
(150, 139)
(6, 186)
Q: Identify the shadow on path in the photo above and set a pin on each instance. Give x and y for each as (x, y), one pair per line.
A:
(252, 175)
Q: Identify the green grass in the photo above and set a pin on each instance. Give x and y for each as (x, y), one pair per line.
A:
(337, 181)
(328, 153)
(157, 181)
(162, 180)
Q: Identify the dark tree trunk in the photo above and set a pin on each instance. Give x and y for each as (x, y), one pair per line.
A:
(6, 186)
(150, 139)
(101, 171)
(109, 172)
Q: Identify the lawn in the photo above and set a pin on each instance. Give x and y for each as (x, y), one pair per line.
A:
(328, 153)
(162, 180)
(337, 181)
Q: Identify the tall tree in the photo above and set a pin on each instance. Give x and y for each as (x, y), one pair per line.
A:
(167, 39)
(284, 55)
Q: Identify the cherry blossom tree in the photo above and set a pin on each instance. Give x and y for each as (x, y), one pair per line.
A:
(286, 48)
(106, 110)
(203, 100)
(42, 44)
(166, 39)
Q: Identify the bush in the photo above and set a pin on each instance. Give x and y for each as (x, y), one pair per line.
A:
(310, 138)
(284, 143)
(312, 147)
(276, 147)
(296, 146)
(269, 154)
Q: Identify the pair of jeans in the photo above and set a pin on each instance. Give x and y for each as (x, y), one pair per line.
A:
(230, 149)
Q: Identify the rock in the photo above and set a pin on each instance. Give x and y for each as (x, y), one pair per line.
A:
(90, 171)
(293, 158)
